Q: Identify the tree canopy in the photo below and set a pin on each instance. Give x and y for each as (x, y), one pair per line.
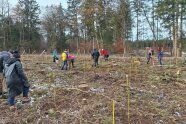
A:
(87, 24)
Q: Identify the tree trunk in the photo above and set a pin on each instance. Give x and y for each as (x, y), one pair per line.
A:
(77, 41)
(93, 45)
(137, 35)
(123, 37)
(176, 34)
(153, 26)
(4, 41)
(3, 25)
(157, 35)
(181, 30)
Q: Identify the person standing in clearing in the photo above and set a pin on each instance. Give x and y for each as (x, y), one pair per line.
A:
(160, 56)
(16, 80)
(158, 50)
(55, 59)
(149, 55)
(152, 57)
(4, 56)
(71, 59)
(64, 57)
(95, 55)
(104, 54)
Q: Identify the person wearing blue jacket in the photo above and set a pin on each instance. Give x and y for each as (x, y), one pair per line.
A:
(160, 56)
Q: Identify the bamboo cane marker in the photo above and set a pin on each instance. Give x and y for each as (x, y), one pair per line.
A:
(113, 109)
(128, 94)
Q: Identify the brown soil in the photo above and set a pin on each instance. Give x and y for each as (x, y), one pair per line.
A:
(84, 94)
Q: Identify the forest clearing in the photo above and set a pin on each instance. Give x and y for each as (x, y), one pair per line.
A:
(143, 81)
(86, 95)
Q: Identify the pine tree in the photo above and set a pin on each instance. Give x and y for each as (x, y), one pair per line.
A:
(54, 24)
(4, 11)
(169, 11)
(30, 19)
(73, 12)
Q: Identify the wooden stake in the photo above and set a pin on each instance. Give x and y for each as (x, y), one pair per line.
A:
(128, 101)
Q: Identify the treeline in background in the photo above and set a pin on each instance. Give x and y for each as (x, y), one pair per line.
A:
(120, 26)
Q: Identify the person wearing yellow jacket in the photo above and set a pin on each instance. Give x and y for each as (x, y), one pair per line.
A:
(64, 58)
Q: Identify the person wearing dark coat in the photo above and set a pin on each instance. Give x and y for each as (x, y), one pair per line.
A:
(95, 55)
(4, 56)
(16, 80)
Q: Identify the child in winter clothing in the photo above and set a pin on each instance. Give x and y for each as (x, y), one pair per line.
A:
(160, 56)
(104, 54)
(55, 58)
(150, 56)
(64, 57)
(71, 59)
(95, 55)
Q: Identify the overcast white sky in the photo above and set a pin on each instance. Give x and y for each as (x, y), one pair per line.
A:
(44, 3)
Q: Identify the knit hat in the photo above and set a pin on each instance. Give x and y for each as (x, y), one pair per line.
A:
(16, 54)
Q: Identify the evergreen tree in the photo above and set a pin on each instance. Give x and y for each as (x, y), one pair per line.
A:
(73, 14)
(169, 11)
(54, 25)
(4, 13)
(30, 21)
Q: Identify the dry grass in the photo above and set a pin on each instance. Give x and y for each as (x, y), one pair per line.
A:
(157, 94)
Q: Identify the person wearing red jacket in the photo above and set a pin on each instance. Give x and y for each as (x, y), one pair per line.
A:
(104, 54)
(159, 50)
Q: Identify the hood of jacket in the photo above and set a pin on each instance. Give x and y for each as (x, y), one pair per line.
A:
(11, 61)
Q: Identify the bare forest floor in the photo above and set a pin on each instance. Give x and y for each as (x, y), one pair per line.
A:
(83, 95)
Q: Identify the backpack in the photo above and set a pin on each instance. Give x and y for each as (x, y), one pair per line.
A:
(8, 70)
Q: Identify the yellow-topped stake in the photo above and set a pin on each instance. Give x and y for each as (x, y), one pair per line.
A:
(113, 109)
